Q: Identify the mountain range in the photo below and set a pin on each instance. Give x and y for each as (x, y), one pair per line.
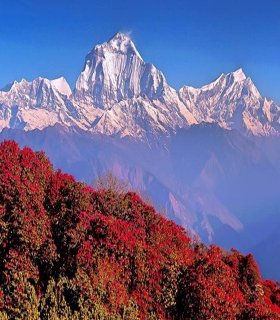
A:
(118, 93)
(207, 155)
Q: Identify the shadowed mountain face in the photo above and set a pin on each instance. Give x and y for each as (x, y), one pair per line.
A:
(227, 169)
(212, 181)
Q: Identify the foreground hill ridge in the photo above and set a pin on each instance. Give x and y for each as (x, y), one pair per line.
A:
(118, 93)
(69, 251)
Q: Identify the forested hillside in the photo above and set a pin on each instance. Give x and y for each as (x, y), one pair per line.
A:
(69, 251)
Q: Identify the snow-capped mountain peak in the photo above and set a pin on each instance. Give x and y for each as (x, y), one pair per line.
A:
(14, 85)
(112, 72)
(239, 75)
(234, 102)
(130, 93)
(115, 71)
(118, 93)
(121, 43)
(62, 86)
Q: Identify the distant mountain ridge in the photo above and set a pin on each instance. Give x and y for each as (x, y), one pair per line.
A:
(118, 93)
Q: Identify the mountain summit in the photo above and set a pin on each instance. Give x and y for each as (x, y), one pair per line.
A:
(133, 95)
(112, 72)
(118, 93)
(233, 102)
(239, 75)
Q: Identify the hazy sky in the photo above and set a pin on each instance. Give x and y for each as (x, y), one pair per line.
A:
(192, 42)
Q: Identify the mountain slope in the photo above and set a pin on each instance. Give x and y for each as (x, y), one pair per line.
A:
(69, 251)
(214, 182)
(234, 187)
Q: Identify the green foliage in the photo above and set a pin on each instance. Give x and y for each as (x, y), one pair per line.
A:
(25, 302)
(54, 304)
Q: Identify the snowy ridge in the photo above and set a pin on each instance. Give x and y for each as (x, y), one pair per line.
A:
(118, 93)
(234, 102)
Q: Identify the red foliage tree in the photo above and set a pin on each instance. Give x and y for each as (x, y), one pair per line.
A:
(68, 249)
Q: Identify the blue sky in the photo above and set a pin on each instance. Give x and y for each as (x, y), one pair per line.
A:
(192, 42)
